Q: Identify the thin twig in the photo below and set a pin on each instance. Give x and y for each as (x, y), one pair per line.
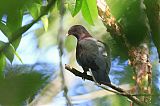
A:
(60, 46)
(120, 90)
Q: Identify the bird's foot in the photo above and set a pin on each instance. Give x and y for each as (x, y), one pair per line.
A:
(84, 74)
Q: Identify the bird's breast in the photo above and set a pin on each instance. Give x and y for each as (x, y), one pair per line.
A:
(86, 52)
(80, 55)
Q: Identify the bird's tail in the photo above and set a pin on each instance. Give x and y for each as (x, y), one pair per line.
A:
(101, 77)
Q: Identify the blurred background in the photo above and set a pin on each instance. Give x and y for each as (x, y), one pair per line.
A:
(38, 76)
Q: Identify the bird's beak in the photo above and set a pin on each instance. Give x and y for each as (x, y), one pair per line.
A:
(67, 34)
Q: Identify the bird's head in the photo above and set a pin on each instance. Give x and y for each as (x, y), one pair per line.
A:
(79, 32)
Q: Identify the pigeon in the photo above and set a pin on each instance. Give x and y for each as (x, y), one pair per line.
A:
(92, 54)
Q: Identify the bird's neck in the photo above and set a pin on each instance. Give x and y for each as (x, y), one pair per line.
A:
(83, 36)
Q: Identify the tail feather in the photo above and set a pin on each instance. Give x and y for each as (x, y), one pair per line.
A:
(101, 77)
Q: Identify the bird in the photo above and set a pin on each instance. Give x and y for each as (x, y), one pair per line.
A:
(92, 54)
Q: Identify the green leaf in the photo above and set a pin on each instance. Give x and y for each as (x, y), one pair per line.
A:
(71, 6)
(45, 22)
(20, 85)
(2, 63)
(89, 11)
(14, 22)
(9, 52)
(5, 29)
(75, 8)
(152, 9)
(2, 45)
(35, 10)
(2, 59)
(23, 29)
(16, 54)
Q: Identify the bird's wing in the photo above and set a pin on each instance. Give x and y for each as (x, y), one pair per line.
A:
(104, 51)
(86, 52)
(103, 62)
(93, 54)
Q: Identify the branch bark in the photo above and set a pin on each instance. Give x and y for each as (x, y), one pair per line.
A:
(120, 90)
(138, 56)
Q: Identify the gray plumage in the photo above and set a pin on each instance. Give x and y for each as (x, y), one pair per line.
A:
(91, 54)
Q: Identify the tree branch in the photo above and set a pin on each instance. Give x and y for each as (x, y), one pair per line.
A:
(60, 47)
(138, 55)
(120, 90)
(17, 34)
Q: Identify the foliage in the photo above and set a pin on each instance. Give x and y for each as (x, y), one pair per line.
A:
(2, 64)
(21, 82)
(135, 30)
(152, 10)
(88, 9)
(138, 19)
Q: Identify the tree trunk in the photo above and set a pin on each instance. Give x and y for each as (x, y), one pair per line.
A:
(138, 56)
(139, 60)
